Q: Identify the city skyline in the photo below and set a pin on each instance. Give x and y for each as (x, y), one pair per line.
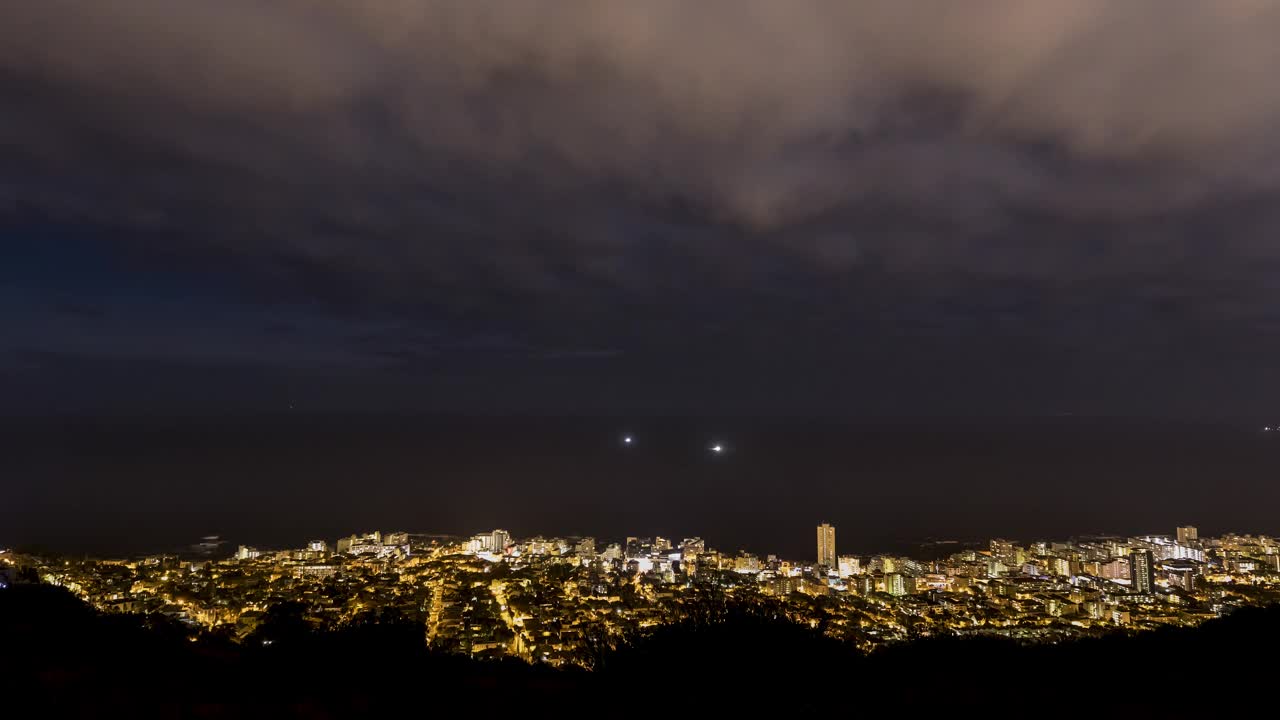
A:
(492, 544)
(488, 595)
(826, 546)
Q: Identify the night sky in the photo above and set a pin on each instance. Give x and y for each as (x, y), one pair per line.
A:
(446, 252)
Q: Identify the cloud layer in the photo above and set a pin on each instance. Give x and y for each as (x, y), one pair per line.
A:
(759, 113)
(1031, 165)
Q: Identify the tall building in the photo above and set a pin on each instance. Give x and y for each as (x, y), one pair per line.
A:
(1187, 579)
(1116, 569)
(1142, 572)
(479, 543)
(896, 584)
(1003, 550)
(499, 540)
(826, 546)
(745, 562)
(848, 566)
(1187, 535)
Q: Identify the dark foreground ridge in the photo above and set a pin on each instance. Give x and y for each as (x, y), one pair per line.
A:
(67, 660)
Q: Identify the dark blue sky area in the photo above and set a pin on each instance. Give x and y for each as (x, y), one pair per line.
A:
(99, 325)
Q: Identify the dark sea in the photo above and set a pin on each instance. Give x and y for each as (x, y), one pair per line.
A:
(124, 487)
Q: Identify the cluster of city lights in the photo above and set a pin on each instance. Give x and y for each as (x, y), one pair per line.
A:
(555, 596)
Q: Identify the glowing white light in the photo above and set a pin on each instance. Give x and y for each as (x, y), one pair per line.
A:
(627, 440)
(717, 448)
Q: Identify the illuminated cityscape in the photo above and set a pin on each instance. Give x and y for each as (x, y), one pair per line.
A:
(553, 600)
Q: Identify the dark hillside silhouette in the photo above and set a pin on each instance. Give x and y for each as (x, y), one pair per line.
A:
(68, 660)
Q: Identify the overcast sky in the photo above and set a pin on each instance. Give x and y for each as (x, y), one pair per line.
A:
(606, 206)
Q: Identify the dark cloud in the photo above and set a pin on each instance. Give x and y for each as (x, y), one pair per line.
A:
(588, 179)
(758, 113)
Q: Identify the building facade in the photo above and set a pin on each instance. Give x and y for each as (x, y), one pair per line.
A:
(1142, 574)
(826, 546)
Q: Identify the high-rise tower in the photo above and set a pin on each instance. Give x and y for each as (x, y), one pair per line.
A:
(826, 546)
(1142, 572)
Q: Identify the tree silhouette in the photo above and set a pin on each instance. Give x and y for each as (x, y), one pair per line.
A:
(718, 655)
(283, 623)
